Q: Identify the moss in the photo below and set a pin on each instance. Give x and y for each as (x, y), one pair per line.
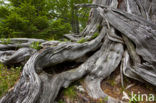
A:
(82, 40)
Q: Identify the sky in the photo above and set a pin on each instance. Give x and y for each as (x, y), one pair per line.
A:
(5, 1)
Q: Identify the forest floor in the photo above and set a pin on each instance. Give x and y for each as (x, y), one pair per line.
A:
(111, 86)
(8, 77)
(76, 93)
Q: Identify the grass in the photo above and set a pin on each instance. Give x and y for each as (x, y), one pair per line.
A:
(35, 45)
(111, 82)
(103, 100)
(82, 40)
(94, 36)
(61, 101)
(5, 41)
(70, 92)
(133, 100)
(8, 77)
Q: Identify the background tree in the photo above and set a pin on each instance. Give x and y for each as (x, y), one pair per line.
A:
(66, 10)
(119, 34)
(38, 18)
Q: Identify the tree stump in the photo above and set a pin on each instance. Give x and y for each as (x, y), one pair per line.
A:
(127, 38)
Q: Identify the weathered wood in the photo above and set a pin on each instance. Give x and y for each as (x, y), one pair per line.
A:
(132, 26)
(45, 86)
(72, 37)
(126, 68)
(16, 50)
(142, 33)
(58, 64)
(15, 57)
(108, 59)
(94, 20)
(152, 11)
(15, 43)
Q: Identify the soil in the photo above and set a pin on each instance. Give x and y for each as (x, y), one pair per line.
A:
(111, 86)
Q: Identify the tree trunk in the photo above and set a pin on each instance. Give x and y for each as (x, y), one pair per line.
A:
(126, 33)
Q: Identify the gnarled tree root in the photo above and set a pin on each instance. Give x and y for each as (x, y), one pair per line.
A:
(59, 64)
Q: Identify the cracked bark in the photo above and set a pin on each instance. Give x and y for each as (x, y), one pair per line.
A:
(129, 26)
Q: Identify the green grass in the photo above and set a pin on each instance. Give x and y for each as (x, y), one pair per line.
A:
(61, 101)
(133, 100)
(82, 40)
(8, 77)
(103, 100)
(94, 36)
(70, 92)
(5, 41)
(35, 45)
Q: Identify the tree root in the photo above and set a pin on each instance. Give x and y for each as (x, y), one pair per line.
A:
(59, 64)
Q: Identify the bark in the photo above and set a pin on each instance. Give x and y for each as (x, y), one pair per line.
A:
(94, 20)
(72, 37)
(15, 57)
(108, 60)
(132, 26)
(126, 33)
(15, 43)
(38, 86)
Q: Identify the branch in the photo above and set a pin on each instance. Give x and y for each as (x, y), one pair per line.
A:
(91, 5)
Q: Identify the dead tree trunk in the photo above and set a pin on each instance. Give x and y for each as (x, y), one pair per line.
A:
(126, 33)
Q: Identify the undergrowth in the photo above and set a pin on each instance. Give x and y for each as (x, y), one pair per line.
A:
(8, 78)
(35, 45)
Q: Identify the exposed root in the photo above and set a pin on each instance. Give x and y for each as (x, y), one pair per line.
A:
(58, 64)
(15, 57)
